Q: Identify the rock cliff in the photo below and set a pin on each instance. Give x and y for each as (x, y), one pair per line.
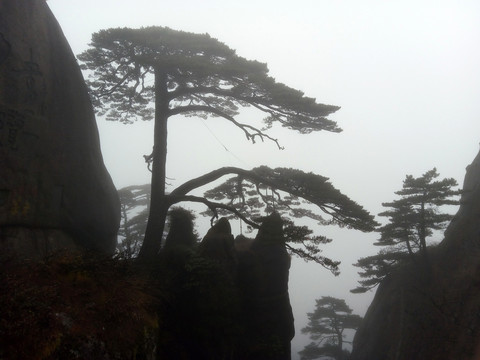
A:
(263, 275)
(54, 189)
(432, 315)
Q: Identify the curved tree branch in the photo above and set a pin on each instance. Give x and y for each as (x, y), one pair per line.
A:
(207, 178)
(310, 119)
(172, 199)
(251, 132)
(333, 267)
(343, 210)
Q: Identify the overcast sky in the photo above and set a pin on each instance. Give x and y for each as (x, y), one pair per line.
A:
(405, 73)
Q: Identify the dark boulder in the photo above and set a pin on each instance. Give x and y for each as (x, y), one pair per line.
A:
(181, 230)
(200, 316)
(263, 282)
(242, 243)
(55, 191)
(218, 247)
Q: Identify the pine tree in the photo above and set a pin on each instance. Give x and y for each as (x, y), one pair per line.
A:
(156, 73)
(412, 220)
(326, 326)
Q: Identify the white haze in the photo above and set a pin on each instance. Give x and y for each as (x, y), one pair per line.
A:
(406, 74)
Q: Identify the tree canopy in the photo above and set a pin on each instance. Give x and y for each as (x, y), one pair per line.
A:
(412, 219)
(326, 326)
(295, 195)
(201, 76)
(158, 73)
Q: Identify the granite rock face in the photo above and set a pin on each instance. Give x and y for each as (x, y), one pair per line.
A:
(434, 314)
(263, 282)
(55, 191)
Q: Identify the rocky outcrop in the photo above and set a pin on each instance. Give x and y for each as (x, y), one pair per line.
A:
(223, 304)
(201, 313)
(263, 284)
(436, 314)
(54, 189)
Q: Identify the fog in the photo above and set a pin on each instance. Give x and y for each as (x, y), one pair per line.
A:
(405, 74)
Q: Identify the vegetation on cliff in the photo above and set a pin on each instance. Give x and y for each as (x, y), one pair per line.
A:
(412, 220)
(75, 306)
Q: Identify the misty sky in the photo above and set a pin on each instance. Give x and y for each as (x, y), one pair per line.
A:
(406, 75)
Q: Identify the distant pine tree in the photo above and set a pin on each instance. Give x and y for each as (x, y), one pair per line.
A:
(326, 326)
